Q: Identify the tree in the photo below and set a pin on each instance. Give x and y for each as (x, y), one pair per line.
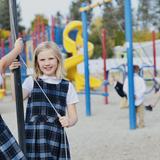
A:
(113, 22)
(119, 19)
(156, 14)
(113, 18)
(109, 21)
(144, 14)
(95, 37)
(58, 18)
(38, 20)
(4, 15)
(74, 10)
(119, 14)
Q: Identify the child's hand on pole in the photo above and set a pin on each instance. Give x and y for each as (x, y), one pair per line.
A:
(64, 120)
(19, 45)
(14, 65)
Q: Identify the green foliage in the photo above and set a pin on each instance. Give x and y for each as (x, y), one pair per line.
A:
(95, 38)
(113, 22)
(4, 16)
(38, 20)
(156, 14)
(145, 35)
(144, 14)
(109, 21)
(114, 27)
(158, 35)
(58, 18)
(4, 34)
(74, 10)
(119, 38)
(141, 36)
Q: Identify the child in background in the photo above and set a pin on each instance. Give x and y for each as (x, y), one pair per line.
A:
(139, 91)
(118, 86)
(9, 149)
(45, 137)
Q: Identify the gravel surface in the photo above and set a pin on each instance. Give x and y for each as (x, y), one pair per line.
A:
(105, 135)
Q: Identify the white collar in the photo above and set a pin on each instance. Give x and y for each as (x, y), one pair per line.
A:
(50, 79)
(45, 77)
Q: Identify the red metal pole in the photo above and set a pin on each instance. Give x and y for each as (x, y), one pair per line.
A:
(38, 30)
(34, 35)
(34, 39)
(52, 29)
(104, 56)
(154, 52)
(43, 30)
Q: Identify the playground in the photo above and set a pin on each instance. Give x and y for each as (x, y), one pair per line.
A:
(105, 134)
(104, 131)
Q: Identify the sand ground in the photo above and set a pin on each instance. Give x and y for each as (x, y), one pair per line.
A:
(105, 135)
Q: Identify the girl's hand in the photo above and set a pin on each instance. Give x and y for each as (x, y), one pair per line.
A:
(14, 65)
(64, 120)
(19, 45)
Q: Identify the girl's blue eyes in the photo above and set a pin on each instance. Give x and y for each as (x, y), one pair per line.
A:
(45, 59)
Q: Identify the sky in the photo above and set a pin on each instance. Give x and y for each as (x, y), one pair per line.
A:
(29, 8)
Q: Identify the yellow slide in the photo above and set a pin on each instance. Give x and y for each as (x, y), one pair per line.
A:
(74, 48)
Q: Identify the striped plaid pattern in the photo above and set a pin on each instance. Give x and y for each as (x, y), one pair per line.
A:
(9, 148)
(44, 134)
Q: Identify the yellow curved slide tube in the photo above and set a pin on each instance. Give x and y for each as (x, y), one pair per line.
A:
(73, 47)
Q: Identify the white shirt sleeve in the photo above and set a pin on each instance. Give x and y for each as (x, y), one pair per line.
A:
(140, 87)
(125, 86)
(72, 96)
(1, 80)
(28, 84)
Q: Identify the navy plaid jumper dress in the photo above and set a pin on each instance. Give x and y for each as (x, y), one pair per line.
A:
(9, 148)
(44, 133)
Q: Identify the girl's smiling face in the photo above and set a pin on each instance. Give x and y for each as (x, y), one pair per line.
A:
(47, 63)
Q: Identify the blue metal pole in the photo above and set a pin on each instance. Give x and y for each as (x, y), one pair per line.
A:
(85, 42)
(128, 31)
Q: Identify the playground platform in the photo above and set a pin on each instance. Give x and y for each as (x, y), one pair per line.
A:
(105, 135)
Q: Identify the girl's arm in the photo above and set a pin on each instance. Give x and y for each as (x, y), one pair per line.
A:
(70, 119)
(8, 59)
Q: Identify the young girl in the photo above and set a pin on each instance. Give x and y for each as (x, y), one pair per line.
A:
(9, 148)
(50, 95)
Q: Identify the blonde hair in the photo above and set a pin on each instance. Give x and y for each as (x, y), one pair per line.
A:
(48, 45)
